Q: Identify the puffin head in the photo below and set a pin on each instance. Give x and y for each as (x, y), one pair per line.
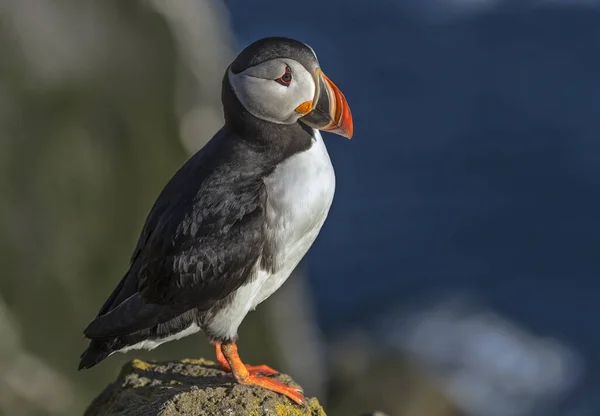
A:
(279, 80)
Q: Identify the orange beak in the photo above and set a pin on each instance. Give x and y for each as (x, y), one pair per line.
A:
(330, 110)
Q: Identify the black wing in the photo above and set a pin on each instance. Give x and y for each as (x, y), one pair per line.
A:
(202, 238)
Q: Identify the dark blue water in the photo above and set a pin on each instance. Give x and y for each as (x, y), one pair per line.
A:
(475, 163)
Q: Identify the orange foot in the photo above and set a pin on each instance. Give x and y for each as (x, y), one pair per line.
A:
(277, 386)
(250, 375)
(252, 369)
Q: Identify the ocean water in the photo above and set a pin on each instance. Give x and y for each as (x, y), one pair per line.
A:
(475, 165)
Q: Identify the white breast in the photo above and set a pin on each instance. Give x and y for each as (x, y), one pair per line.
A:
(299, 195)
(300, 192)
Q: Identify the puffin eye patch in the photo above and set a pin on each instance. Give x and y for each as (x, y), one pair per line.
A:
(286, 78)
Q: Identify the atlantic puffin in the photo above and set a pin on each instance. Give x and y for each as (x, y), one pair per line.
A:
(235, 220)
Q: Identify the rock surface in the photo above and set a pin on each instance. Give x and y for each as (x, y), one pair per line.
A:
(191, 388)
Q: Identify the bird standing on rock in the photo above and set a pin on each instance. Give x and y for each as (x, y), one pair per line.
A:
(233, 223)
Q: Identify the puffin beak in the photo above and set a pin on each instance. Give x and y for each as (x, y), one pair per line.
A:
(330, 111)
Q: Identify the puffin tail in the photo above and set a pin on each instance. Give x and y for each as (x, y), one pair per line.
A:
(95, 353)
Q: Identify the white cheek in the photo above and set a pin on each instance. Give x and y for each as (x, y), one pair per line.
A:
(254, 94)
(271, 101)
(303, 88)
(296, 94)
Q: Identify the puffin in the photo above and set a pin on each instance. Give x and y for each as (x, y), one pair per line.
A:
(235, 220)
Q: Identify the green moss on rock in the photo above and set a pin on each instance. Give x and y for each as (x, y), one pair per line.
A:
(192, 388)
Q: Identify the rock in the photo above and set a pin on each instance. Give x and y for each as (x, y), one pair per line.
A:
(191, 388)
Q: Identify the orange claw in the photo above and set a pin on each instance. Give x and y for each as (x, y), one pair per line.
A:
(229, 360)
(252, 369)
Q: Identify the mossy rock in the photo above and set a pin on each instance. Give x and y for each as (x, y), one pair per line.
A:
(191, 388)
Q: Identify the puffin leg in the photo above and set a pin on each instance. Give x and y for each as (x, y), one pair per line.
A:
(252, 369)
(243, 376)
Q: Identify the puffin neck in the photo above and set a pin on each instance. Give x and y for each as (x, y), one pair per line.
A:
(279, 140)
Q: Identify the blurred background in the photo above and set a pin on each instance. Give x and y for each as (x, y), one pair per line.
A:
(457, 272)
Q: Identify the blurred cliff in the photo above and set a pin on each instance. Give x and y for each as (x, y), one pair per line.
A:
(100, 102)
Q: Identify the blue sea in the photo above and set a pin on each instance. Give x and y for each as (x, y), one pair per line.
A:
(475, 164)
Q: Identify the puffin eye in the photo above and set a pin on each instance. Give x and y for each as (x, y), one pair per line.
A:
(286, 78)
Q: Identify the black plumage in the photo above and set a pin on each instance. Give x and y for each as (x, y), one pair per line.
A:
(270, 48)
(206, 230)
